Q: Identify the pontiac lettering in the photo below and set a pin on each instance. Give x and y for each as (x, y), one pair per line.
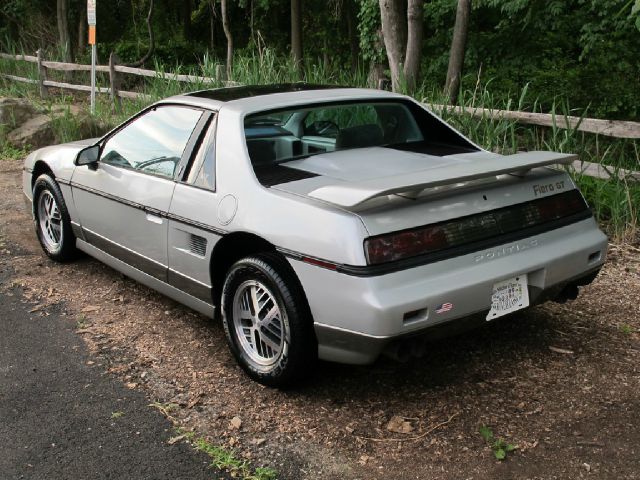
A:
(504, 251)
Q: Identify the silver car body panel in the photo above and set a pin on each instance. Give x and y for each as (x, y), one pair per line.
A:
(132, 208)
(164, 233)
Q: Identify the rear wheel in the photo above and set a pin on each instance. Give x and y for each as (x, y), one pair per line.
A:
(267, 320)
(52, 222)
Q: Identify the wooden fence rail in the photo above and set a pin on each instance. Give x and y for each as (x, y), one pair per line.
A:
(111, 69)
(612, 128)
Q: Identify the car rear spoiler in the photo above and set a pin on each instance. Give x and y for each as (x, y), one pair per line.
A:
(352, 194)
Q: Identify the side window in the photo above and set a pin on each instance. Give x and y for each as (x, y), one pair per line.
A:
(203, 171)
(154, 142)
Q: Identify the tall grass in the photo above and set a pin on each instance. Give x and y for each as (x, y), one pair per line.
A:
(615, 201)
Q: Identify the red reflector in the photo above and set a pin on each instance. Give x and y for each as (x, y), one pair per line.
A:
(319, 263)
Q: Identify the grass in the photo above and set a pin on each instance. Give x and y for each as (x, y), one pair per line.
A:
(82, 322)
(626, 329)
(165, 408)
(614, 201)
(225, 459)
(8, 151)
(499, 447)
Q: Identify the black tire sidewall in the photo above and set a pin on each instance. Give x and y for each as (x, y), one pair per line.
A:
(66, 249)
(301, 352)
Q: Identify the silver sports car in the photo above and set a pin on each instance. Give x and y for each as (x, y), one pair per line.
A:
(320, 222)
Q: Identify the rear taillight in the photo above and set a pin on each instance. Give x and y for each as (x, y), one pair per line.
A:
(473, 228)
(405, 244)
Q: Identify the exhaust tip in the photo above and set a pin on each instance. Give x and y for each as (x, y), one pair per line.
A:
(570, 292)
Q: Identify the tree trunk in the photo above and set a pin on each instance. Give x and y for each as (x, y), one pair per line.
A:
(352, 31)
(415, 10)
(394, 33)
(82, 30)
(212, 25)
(296, 34)
(62, 11)
(186, 19)
(152, 45)
(227, 33)
(458, 46)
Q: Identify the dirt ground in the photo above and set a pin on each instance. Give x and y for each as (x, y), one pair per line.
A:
(559, 381)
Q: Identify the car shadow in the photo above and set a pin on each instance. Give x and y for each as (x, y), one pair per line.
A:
(504, 346)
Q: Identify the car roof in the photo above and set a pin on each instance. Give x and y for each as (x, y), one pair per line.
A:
(251, 98)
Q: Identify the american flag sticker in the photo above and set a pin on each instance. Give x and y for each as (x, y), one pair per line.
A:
(445, 307)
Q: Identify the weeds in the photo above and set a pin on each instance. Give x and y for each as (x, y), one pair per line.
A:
(225, 459)
(82, 322)
(115, 415)
(614, 201)
(165, 408)
(626, 329)
(499, 447)
(8, 152)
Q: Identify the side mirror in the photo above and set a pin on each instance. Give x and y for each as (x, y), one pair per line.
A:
(88, 156)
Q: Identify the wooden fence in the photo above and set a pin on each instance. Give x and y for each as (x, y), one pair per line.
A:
(611, 128)
(112, 70)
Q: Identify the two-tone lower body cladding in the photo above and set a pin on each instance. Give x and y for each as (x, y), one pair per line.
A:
(356, 317)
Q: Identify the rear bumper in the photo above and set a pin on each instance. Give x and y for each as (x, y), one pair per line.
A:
(357, 317)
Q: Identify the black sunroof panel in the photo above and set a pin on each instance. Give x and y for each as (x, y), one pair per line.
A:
(235, 93)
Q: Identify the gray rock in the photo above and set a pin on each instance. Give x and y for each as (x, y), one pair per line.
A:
(35, 132)
(15, 111)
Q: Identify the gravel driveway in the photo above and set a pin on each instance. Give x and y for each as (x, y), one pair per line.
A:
(559, 382)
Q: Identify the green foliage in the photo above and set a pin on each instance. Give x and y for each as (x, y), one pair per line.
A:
(626, 329)
(225, 459)
(579, 50)
(8, 152)
(499, 447)
(615, 201)
(369, 26)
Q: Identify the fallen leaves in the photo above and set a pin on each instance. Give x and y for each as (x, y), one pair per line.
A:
(399, 424)
(235, 423)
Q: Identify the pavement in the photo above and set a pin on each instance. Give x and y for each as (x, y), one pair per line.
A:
(63, 417)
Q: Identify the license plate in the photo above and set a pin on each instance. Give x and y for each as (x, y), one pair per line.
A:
(508, 296)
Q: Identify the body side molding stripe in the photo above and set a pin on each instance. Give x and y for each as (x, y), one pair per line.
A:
(126, 255)
(193, 287)
(153, 211)
(206, 308)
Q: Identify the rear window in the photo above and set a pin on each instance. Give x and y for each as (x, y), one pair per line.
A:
(279, 136)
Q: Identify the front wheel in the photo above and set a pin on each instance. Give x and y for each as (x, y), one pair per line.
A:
(53, 225)
(267, 321)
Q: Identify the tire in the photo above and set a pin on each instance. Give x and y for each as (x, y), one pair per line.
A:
(283, 349)
(52, 222)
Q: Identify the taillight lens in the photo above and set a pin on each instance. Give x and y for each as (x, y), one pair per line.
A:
(472, 228)
(405, 244)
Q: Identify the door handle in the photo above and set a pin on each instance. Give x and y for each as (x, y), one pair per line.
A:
(154, 218)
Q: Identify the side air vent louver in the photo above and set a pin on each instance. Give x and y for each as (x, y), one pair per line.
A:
(197, 245)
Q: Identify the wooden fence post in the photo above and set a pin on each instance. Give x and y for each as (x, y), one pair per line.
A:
(114, 82)
(42, 75)
(221, 74)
